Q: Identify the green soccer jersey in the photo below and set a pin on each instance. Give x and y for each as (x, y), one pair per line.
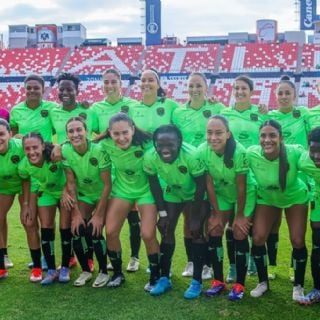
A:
(225, 179)
(295, 125)
(314, 117)
(266, 174)
(33, 120)
(87, 168)
(129, 179)
(10, 181)
(192, 122)
(149, 118)
(105, 110)
(59, 118)
(245, 125)
(179, 185)
(50, 176)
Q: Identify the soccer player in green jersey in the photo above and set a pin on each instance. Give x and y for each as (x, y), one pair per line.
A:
(113, 103)
(126, 144)
(182, 172)
(314, 113)
(275, 166)
(295, 127)
(192, 119)
(89, 184)
(310, 164)
(68, 89)
(11, 153)
(51, 179)
(231, 191)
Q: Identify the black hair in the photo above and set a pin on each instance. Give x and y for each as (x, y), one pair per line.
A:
(245, 79)
(286, 79)
(161, 93)
(48, 146)
(5, 123)
(168, 128)
(314, 135)
(230, 146)
(283, 159)
(112, 71)
(71, 77)
(34, 77)
(78, 118)
(139, 138)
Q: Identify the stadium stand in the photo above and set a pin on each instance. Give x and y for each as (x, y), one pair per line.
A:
(310, 57)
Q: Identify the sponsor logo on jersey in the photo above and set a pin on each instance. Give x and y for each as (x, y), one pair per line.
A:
(83, 115)
(286, 134)
(129, 172)
(206, 113)
(53, 168)
(253, 117)
(296, 113)
(8, 177)
(94, 161)
(183, 169)
(87, 180)
(15, 159)
(50, 185)
(44, 113)
(138, 153)
(125, 109)
(243, 135)
(160, 111)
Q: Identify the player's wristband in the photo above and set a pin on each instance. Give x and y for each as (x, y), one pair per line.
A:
(163, 213)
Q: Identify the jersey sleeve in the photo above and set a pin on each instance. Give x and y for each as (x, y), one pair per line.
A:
(103, 159)
(241, 161)
(64, 152)
(148, 163)
(196, 166)
(23, 169)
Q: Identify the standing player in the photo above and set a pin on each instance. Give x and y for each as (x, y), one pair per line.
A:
(126, 144)
(275, 167)
(38, 165)
(231, 189)
(176, 165)
(11, 153)
(89, 184)
(113, 103)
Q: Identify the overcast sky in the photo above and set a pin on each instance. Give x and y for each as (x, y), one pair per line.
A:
(121, 18)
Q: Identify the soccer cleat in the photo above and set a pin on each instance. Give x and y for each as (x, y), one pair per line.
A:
(272, 272)
(72, 262)
(236, 292)
(116, 281)
(188, 271)
(91, 265)
(260, 289)
(36, 275)
(3, 273)
(312, 297)
(7, 262)
(84, 277)
(297, 293)
(64, 275)
(51, 276)
(217, 287)
(109, 267)
(232, 274)
(101, 280)
(44, 265)
(207, 273)
(252, 269)
(162, 286)
(194, 291)
(133, 264)
(148, 287)
(291, 274)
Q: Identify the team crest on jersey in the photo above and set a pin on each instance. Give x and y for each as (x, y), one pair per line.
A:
(44, 113)
(160, 111)
(138, 154)
(53, 168)
(206, 113)
(129, 172)
(87, 180)
(253, 117)
(15, 159)
(94, 161)
(125, 109)
(83, 115)
(183, 169)
(296, 113)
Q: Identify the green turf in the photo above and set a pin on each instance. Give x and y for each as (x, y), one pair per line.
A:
(20, 299)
